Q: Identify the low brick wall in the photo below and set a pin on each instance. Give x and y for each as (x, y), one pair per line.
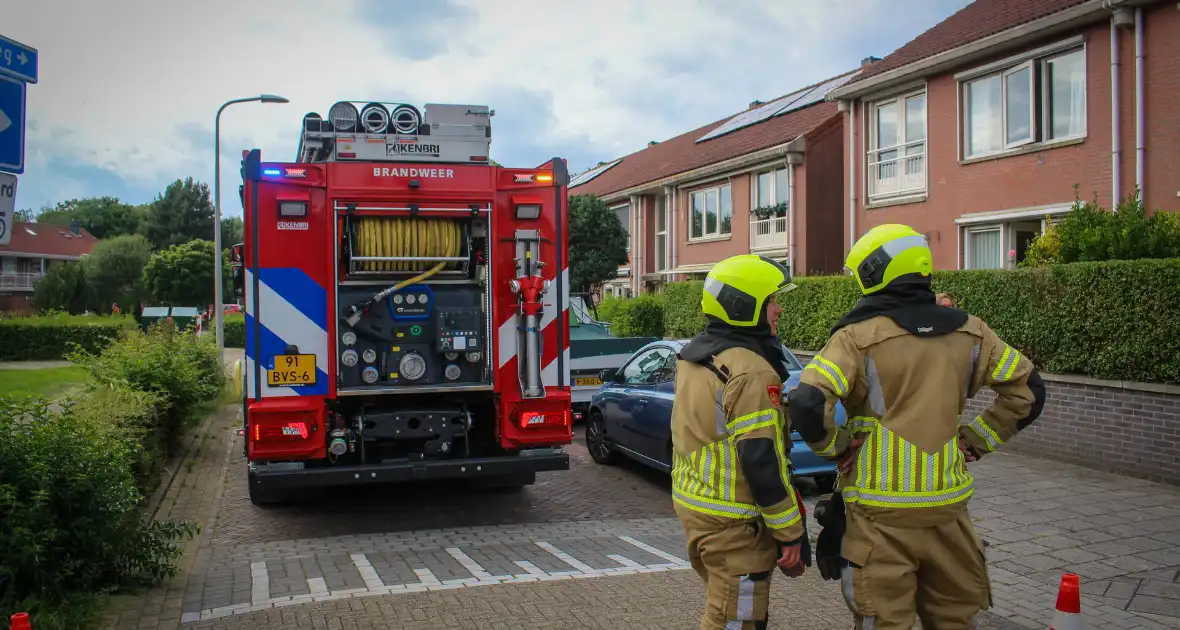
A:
(1115, 426)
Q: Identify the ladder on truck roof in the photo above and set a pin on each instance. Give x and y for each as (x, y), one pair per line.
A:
(396, 132)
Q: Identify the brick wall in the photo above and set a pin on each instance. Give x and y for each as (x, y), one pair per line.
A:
(1114, 426)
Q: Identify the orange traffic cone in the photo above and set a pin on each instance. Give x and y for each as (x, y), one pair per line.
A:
(20, 621)
(1068, 615)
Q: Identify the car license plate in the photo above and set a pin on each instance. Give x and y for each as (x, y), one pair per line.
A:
(590, 381)
(292, 370)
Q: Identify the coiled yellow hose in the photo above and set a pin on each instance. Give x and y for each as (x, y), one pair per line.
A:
(410, 237)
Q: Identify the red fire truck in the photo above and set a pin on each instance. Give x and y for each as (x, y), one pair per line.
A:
(406, 305)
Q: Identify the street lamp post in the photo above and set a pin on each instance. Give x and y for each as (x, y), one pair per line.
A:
(217, 266)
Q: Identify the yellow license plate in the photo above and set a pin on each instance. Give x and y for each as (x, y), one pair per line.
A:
(292, 370)
(588, 381)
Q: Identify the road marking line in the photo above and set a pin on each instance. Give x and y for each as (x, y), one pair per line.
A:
(625, 561)
(368, 573)
(472, 566)
(317, 586)
(425, 578)
(530, 567)
(653, 551)
(259, 583)
(565, 557)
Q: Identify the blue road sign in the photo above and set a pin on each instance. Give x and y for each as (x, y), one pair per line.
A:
(12, 125)
(18, 60)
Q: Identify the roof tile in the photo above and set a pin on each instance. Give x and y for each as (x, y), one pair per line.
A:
(971, 23)
(682, 153)
(48, 240)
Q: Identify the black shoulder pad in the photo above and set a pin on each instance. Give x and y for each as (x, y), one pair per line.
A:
(806, 405)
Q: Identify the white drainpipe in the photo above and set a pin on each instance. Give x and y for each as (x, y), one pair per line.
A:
(852, 153)
(675, 228)
(791, 218)
(1115, 139)
(1140, 140)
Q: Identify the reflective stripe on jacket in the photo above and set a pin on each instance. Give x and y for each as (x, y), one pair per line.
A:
(710, 421)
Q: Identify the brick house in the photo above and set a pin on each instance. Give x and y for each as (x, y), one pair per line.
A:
(767, 180)
(32, 250)
(979, 128)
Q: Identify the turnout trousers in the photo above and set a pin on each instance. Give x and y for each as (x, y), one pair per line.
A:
(937, 573)
(735, 559)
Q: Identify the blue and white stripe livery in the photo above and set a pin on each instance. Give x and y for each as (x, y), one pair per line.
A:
(294, 312)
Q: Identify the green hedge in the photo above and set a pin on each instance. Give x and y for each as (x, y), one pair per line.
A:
(52, 337)
(1112, 320)
(234, 328)
(642, 316)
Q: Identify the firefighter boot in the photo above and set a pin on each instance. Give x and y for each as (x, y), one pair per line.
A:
(936, 573)
(736, 561)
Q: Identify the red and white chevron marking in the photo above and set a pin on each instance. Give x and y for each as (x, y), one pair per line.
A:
(507, 345)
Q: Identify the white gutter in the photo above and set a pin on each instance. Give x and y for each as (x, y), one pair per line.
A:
(1140, 122)
(1115, 136)
(1089, 11)
(704, 171)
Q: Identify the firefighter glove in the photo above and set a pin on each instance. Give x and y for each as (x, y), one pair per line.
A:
(829, 513)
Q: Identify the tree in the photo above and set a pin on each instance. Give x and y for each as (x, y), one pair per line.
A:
(103, 217)
(24, 216)
(182, 275)
(232, 231)
(181, 214)
(62, 288)
(114, 272)
(598, 243)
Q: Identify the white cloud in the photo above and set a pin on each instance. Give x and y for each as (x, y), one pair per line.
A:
(132, 86)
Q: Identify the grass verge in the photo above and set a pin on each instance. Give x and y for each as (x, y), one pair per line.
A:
(48, 382)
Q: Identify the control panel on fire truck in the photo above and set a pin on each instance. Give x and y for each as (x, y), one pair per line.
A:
(420, 335)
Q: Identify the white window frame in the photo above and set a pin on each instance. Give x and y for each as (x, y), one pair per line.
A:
(873, 153)
(980, 229)
(1036, 62)
(755, 193)
(627, 223)
(715, 191)
(661, 220)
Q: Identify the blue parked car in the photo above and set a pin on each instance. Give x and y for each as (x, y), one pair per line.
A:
(631, 414)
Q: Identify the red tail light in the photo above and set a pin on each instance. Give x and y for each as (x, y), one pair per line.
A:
(284, 431)
(544, 420)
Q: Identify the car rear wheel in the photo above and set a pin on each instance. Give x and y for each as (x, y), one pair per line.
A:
(596, 442)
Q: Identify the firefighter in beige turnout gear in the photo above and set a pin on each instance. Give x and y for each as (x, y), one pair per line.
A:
(731, 475)
(897, 532)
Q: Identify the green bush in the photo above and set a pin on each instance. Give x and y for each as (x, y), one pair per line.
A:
(178, 367)
(135, 417)
(609, 308)
(641, 316)
(1111, 320)
(234, 327)
(70, 523)
(682, 309)
(1088, 233)
(52, 337)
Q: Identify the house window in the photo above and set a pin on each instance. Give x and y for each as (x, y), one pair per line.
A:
(897, 140)
(624, 213)
(712, 213)
(1000, 245)
(768, 217)
(1034, 101)
(985, 248)
(661, 234)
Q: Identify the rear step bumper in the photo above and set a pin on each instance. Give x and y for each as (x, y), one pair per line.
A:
(402, 471)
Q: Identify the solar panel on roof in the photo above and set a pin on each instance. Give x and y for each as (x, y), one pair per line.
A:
(785, 105)
(582, 178)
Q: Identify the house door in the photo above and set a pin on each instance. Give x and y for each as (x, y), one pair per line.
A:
(1021, 236)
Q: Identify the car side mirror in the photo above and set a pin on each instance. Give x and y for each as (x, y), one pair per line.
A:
(609, 376)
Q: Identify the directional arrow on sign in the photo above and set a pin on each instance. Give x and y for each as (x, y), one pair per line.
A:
(5, 122)
(22, 58)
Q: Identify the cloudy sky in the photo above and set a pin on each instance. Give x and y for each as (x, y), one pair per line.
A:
(129, 88)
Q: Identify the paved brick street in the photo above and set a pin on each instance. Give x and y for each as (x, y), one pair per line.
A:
(599, 546)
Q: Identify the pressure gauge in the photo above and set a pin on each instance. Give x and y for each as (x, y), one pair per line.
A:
(451, 372)
(349, 357)
(369, 375)
(474, 357)
(369, 355)
(451, 356)
(410, 299)
(412, 366)
(422, 298)
(398, 298)
(348, 338)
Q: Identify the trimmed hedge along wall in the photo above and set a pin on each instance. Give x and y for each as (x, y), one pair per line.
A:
(51, 338)
(1116, 320)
